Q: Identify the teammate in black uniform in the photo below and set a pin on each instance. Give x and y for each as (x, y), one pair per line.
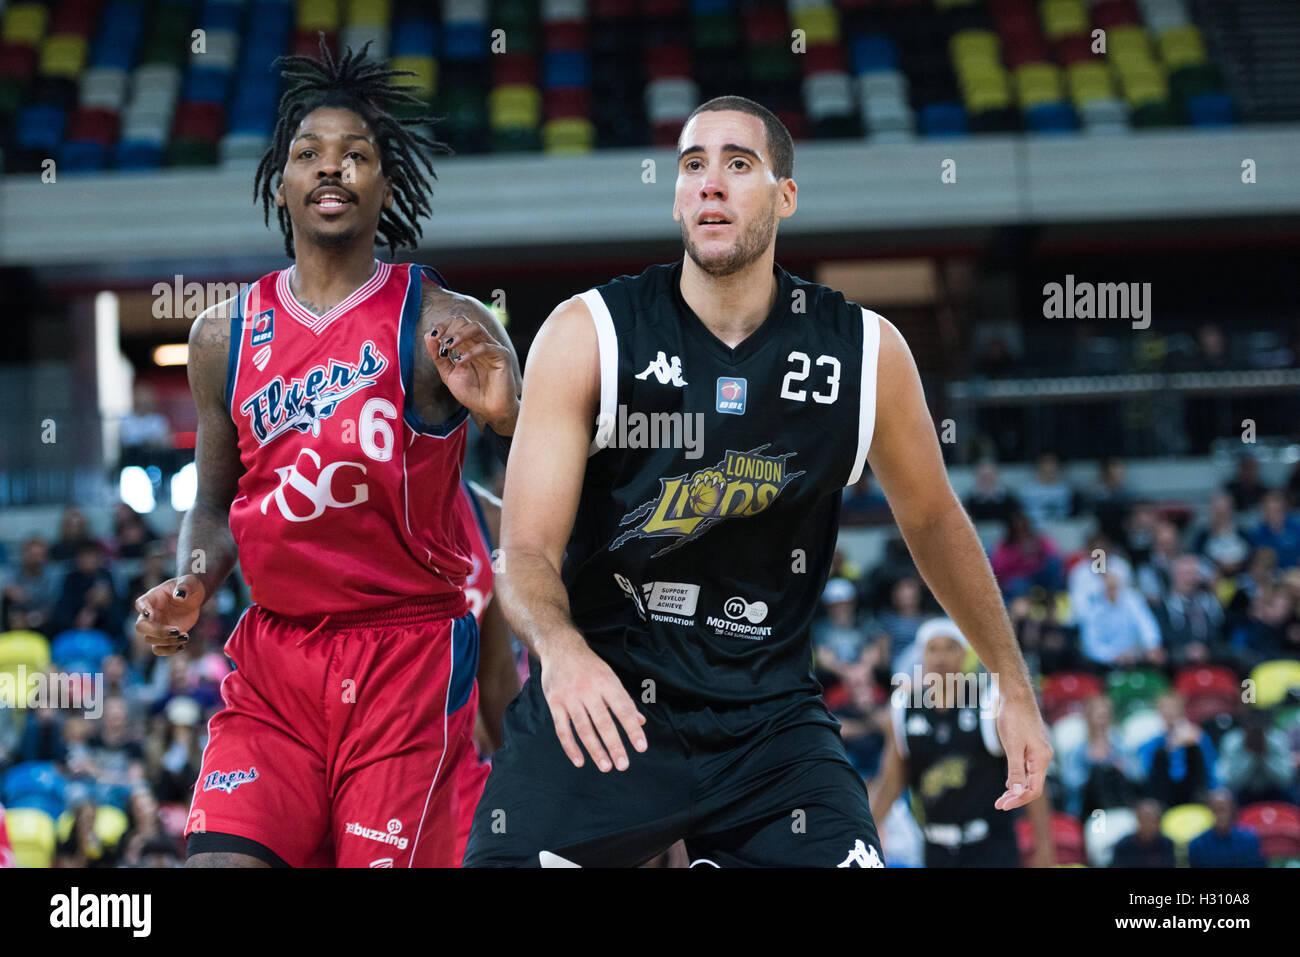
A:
(945, 748)
(732, 402)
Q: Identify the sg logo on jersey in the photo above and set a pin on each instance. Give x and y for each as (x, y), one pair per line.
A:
(687, 506)
(319, 493)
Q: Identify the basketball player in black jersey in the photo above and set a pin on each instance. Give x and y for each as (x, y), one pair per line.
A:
(945, 748)
(670, 514)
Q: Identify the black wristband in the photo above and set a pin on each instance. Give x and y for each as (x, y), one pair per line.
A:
(500, 444)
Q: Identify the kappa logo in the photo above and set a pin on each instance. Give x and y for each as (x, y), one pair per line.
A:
(304, 402)
(862, 856)
(668, 373)
(320, 493)
(687, 506)
(229, 780)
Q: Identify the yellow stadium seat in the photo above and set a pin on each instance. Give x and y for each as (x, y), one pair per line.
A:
(1185, 822)
(1063, 18)
(1089, 82)
(369, 13)
(986, 92)
(568, 136)
(31, 833)
(1128, 42)
(110, 824)
(425, 81)
(975, 46)
(25, 23)
(514, 106)
(1272, 680)
(1037, 83)
(953, 4)
(1145, 86)
(318, 14)
(820, 24)
(1181, 46)
(63, 54)
(28, 648)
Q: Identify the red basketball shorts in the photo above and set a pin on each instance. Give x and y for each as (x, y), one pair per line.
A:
(343, 739)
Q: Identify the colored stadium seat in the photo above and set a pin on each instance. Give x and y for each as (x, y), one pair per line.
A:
(37, 784)
(31, 833)
(1131, 690)
(1064, 18)
(24, 23)
(1277, 825)
(1185, 822)
(1273, 679)
(1104, 830)
(1067, 691)
(1067, 838)
(1139, 727)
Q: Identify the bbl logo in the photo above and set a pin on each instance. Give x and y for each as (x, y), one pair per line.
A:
(263, 328)
(687, 506)
(731, 396)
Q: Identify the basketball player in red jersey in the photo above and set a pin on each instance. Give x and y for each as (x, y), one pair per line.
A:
(329, 452)
(498, 678)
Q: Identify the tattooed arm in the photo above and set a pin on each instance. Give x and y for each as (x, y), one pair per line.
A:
(205, 551)
(478, 370)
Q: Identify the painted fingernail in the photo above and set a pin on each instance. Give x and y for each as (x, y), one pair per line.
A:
(173, 632)
(451, 341)
(442, 352)
(179, 593)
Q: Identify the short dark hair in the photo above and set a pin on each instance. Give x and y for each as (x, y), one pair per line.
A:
(780, 146)
(364, 86)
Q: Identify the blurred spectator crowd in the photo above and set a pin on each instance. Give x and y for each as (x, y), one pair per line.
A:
(1166, 652)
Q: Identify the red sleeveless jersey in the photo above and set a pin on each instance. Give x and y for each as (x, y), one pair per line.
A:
(349, 500)
(479, 583)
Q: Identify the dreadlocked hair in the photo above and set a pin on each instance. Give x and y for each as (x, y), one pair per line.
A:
(364, 86)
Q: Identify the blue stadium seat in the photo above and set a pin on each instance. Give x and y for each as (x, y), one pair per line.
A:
(414, 38)
(873, 53)
(942, 119)
(222, 16)
(40, 127)
(206, 85)
(134, 155)
(82, 157)
(565, 68)
(35, 784)
(1051, 118)
(465, 41)
(75, 646)
(1211, 109)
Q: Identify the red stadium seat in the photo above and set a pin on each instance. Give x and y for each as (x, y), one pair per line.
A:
(566, 101)
(1067, 838)
(510, 69)
(566, 35)
(766, 26)
(1115, 13)
(200, 121)
(1276, 824)
(307, 43)
(17, 62)
(1074, 49)
(1204, 679)
(823, 58)
(612, 9)
(1064, 692)
(667, 60)
(93, 126)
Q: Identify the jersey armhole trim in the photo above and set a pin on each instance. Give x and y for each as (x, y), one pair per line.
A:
(407, 329)
(867, 403)
(235, 349)
(989, 722)
(607, 341)
(897, 715)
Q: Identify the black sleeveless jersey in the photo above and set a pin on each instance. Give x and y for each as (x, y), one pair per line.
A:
(710, 505)
(955, 766)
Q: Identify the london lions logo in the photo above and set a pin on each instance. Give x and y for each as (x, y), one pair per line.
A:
(741, 485)
(302, 403)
